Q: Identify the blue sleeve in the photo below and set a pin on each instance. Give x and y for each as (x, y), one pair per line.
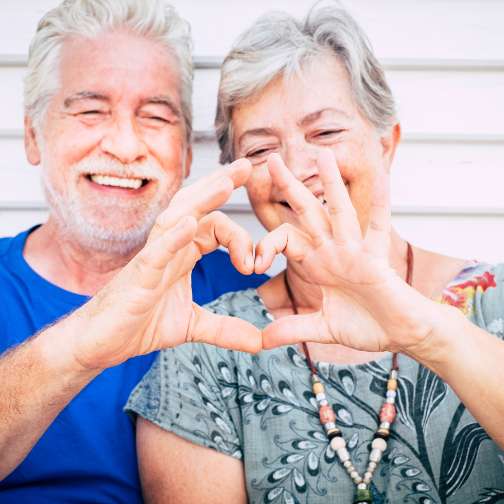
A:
(214, 275)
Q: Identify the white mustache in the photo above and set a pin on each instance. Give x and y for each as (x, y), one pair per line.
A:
(104, 166)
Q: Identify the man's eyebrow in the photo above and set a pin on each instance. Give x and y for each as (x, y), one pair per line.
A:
(162, 100)
(313, 116)
(84, 95)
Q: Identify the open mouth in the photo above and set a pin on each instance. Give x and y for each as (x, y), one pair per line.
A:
(130, 183)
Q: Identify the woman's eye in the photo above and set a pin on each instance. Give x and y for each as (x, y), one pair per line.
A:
(328, 133)
(157, 118)
(259, 152)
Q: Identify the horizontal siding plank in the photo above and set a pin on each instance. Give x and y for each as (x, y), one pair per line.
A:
(446, 103)
(465, 176)
(468, 237)
(397, 28)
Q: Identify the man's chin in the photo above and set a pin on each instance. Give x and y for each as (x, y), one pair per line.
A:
(117, 238)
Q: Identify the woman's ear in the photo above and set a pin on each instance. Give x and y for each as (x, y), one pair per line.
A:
(32, 149)
(390, 140)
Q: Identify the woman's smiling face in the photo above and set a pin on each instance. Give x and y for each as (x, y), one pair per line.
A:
(296, 116)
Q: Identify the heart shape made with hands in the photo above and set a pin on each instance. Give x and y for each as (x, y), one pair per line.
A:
(365, 304)
(358, 286)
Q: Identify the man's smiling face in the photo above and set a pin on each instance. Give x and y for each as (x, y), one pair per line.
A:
(113, 141)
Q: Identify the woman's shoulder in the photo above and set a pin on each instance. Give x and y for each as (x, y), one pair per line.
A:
(245, 304)
(478, 291)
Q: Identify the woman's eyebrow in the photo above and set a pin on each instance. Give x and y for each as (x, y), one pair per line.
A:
(313, 116)
(256, 132)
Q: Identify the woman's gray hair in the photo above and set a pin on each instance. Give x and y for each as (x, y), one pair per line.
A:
(152, 19)
(278, 44)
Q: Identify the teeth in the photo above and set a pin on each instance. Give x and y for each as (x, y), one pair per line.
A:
(127, 183)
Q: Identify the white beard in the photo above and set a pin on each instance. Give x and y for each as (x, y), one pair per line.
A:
(81, 222)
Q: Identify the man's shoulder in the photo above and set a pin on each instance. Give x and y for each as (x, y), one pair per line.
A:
(7, 243)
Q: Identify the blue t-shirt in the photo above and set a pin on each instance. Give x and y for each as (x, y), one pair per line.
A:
(88, 453)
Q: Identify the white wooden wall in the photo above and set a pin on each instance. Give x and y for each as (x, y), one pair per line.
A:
(444, 60)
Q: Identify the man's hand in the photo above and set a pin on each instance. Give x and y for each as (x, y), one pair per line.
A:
(148, 305)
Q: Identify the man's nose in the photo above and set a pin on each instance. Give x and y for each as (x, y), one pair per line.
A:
(123, 141)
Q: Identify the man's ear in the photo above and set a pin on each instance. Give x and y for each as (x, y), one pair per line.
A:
(390, 140)
(32, 147)
(188, 161)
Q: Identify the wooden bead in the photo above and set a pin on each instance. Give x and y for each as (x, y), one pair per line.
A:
(327, 415)
(375, 455)
(318, 388)
(379, 444)
(363, 496)
(332, 433)
(343, 454)
(382, 433)
(392, 384)
(337, 443)
(388, 413)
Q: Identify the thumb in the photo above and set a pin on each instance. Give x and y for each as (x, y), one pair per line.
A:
(296, 329)
(223, 331)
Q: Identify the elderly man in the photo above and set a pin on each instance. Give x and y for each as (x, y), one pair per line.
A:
(108, 117)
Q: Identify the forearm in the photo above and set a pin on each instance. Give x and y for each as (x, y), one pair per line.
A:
(469, 360)
(38, 379)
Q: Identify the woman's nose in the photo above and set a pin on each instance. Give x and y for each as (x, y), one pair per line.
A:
(301, 161)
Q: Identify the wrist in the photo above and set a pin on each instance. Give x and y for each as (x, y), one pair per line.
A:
(59, 350)
(444, 334)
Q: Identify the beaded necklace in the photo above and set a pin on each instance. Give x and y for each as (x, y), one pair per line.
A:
(328, 417)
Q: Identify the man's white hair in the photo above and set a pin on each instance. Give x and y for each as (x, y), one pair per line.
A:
(152, 19)
(278, 44)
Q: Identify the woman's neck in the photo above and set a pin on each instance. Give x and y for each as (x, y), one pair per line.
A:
(431, 273)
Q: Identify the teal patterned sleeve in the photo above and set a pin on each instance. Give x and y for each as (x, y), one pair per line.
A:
(184, 392)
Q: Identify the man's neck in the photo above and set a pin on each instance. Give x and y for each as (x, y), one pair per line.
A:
(63, 262)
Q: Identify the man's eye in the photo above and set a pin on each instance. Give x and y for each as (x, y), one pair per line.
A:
(155, 119)
(91, 112)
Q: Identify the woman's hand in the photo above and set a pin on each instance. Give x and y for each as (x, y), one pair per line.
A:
(365, 304)
(148, 305)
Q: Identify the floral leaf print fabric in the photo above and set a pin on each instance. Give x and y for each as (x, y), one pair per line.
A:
(260, 409)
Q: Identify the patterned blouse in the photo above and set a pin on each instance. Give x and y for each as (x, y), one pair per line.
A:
(261, 409)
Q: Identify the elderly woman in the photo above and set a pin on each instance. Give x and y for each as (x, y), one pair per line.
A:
(396, 397)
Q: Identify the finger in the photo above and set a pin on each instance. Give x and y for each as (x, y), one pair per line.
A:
(205, 195)
(150, 263)
(306, 206)
(217, 229)
(285, 239)
(343, 217)
(377, 238)
(296, 329)
(223, 331)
